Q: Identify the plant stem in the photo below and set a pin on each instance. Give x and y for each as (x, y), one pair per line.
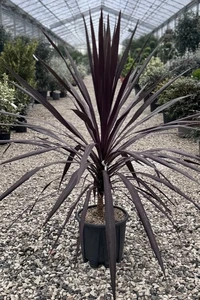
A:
(100, 205)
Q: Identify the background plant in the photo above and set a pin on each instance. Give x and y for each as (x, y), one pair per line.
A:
(5, 36)
(147, 42)
(186, 63)
(7, 99)
(196, 74)
(154, 70)
(187, 33)
(42, 77)
(18, 55)
(181, 87)
(56, 64)
(127, 66)
(167, 49)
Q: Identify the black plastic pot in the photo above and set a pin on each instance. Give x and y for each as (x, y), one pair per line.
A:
(43, 94)
(56, 95)
(21, 128)
(167, 118)
(93, 244)
(184, 132)
(4, 136)
(154, 104)
(137, 88)
(63, 94)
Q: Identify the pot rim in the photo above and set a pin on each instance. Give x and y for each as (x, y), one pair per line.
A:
(102, 225)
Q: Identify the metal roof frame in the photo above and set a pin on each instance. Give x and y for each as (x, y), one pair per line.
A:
(65, 24)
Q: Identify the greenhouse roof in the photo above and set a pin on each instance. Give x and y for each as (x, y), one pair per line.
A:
(64, 17)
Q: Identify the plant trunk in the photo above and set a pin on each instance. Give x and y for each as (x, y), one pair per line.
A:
(100, 205)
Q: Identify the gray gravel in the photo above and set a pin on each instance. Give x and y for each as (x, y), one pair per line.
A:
(29, 271)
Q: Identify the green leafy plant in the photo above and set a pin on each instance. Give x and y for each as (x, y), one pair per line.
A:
(5, 36)
(167, 49)
(184, 64)
(127, 66)
(196, 74)
(42, 77)
(18, 55)
(181, 87)
(154, 70)
(7, 99)
(100, 157)
(146, 41)
(187, 33)
(57, 65)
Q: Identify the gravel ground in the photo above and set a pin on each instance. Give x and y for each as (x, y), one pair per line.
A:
(28, 271)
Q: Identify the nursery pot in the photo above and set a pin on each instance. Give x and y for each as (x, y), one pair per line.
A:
(56, 95)
(93, 243)
(21, 128)
(184, 132)
(4, 136)
(154, 104)
(43, 94)
(63, 94)
(167, 119)
(137, 88)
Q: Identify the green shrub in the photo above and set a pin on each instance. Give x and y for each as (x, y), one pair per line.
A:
(182, 64)
(181, 87)
(4, 37)
(42, 76)
(196, 74)
(18, 55)
(7, 99)
(187, 33)
(153, 72)
(127, 66)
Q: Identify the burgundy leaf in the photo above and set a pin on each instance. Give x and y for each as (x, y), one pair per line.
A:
(71, 209)
(170, 186)
(65, 193)
(84, 212)
(69, 161)
(143, 217)
(110, 229)
(29, 154)
(84, 158)
(24, 178)
(36, 95)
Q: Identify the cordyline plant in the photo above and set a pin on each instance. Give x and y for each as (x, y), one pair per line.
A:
(112, 139)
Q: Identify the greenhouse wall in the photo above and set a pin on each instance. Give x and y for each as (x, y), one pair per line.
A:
(19, 23)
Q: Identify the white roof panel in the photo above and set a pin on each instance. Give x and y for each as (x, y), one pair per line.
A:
(64, 17)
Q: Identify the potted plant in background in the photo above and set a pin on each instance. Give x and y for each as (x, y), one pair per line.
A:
(7, 97)
(182, 86)
(100, 158)
(57, 65)
(42, 77)
(127, 67)
(186, 63)
(4, 37)
(196, 74)
(154, 72)
(18, 55)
